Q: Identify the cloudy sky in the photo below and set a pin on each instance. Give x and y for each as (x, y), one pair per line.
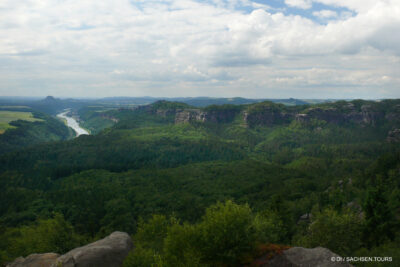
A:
(260, 48)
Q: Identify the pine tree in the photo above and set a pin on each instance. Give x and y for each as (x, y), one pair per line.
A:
(379, 220)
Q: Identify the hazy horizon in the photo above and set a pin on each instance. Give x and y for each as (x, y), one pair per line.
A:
(305, 49)
(178, 97)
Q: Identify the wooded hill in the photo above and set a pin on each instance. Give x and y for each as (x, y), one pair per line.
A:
(173, 175)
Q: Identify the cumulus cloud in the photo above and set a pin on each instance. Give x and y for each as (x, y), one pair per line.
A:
(187, 48)
(325, 14)
(304, 4)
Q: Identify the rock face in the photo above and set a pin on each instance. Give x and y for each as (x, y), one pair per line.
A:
(269, 114)
(329, 115)
(371, 116)
(35, 260)
(305, 257)
(224, 116)
(367, 115)
(189, 115)
(215, 116)
(266, 117)
(394, 136)
(107, 252)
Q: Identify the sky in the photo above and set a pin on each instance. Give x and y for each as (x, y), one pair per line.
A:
(217, 48)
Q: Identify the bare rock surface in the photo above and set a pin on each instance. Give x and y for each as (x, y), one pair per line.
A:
(35, 260)
(107, 252)
(306, 257)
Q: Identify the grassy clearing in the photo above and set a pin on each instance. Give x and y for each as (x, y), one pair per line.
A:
(7, 116)
(18, 107)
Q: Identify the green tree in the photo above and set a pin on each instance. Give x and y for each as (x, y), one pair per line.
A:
(340, 232)
(118, 217)
(149, 241)
(51, 235)
(227, 233)
(379, 220)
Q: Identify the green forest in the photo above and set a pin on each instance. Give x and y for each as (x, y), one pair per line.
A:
(204, 186)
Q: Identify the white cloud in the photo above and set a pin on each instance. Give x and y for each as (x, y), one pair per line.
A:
(325, 14)
(356, 5)
(185, 47)
(304, 4)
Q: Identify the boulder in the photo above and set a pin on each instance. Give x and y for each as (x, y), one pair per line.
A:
(107, 252)
(35, 260)
(305, 257)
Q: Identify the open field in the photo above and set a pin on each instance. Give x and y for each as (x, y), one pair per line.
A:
(7, 116)
(18, 107)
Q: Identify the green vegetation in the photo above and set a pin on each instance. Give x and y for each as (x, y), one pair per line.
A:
(8, 116)
(23, 129)
(53, 234)
(210, 190)
(95, 118)
(227, 234)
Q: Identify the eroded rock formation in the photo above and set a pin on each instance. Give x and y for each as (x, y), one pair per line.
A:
(107, 252)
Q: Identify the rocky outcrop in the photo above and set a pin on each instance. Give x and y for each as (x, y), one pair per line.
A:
(268, 116)
(393, 136)
(107, 252)
(304, 257)
(165, 112)
(189, 115)
(215, 116)
(35, 260)
(221, 116)
(394, 114)
(370, 116)
(329, 115)
(367, 115)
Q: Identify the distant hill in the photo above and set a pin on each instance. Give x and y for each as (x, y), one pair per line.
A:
(202, 101)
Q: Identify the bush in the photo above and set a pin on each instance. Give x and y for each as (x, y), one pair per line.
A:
(227, 235)
(51, 235)
(339, 232)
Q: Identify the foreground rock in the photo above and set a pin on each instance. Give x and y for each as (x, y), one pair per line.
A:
(35, 260)
(304, 257)
(107, 252)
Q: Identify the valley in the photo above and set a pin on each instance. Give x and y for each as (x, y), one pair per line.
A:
(295, 175)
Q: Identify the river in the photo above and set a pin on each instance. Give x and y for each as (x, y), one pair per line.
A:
(71, 122)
